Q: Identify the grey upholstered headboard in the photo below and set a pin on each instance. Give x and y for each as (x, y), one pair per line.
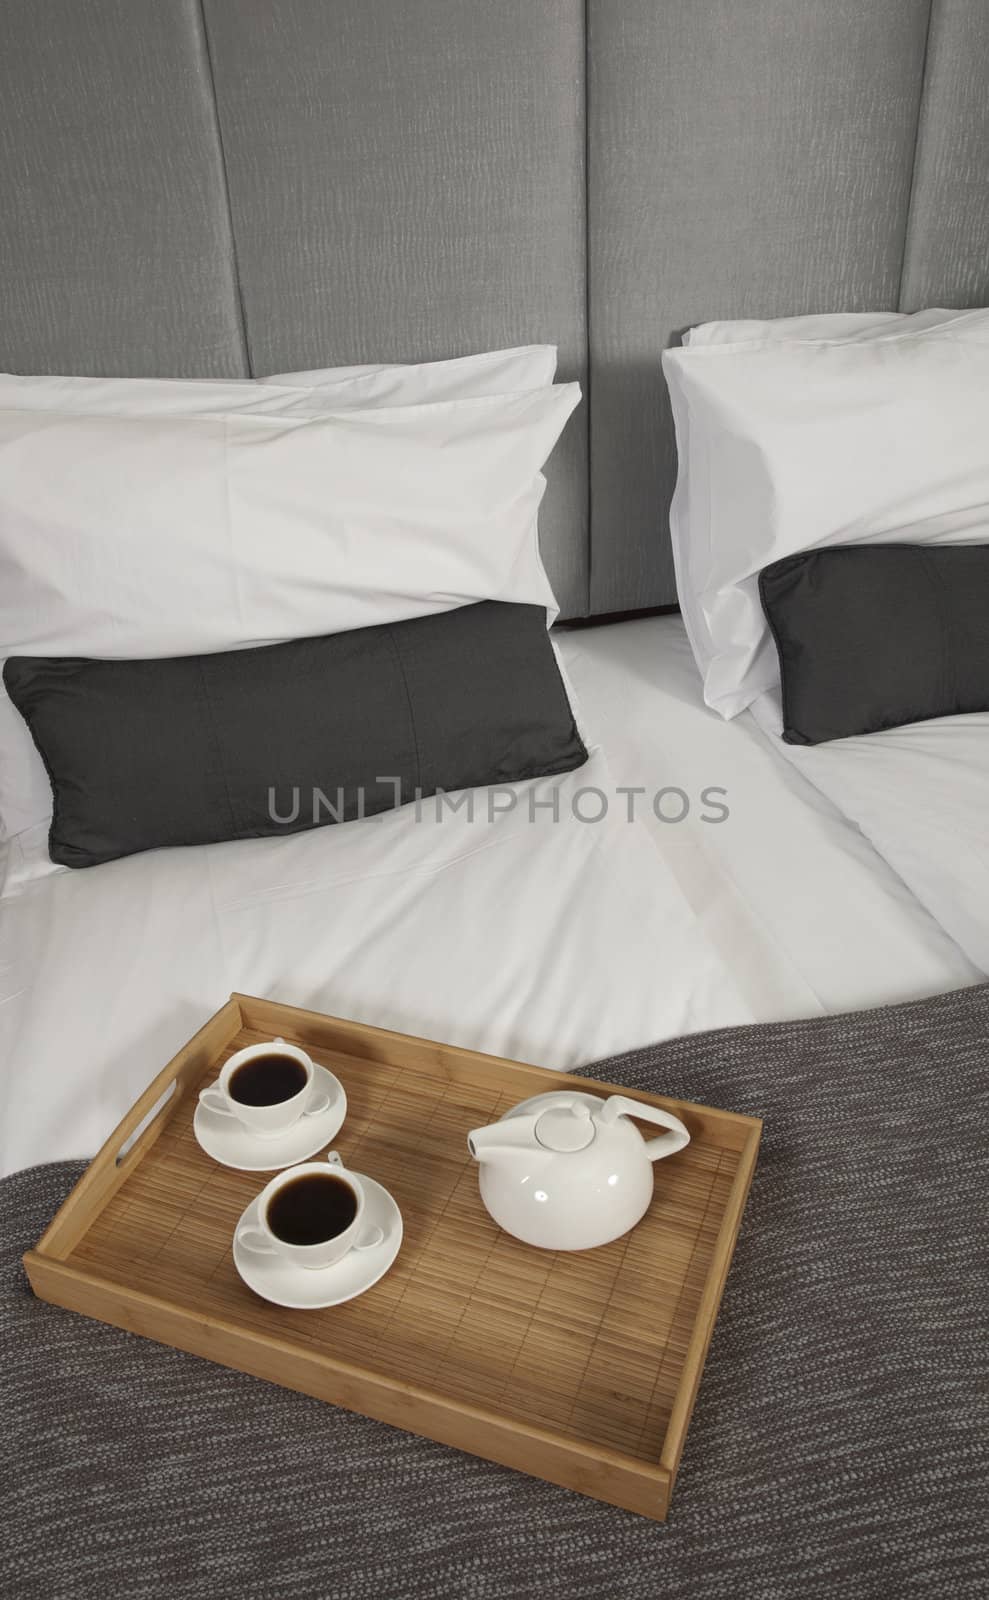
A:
(207, 187)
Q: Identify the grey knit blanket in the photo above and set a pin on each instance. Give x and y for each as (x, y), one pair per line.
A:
(839, 1447)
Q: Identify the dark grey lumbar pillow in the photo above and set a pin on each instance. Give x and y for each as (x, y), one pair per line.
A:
(874, 636)
(280, 738)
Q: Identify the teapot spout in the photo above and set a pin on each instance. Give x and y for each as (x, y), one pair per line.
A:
(501, 1139)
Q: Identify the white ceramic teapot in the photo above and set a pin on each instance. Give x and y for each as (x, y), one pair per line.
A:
(568, 1170)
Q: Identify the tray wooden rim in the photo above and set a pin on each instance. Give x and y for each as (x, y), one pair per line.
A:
(637, 1484)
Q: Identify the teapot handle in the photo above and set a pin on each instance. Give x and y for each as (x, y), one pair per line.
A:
(618, 1105)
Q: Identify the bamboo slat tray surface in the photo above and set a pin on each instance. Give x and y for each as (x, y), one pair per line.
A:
(578, 1367)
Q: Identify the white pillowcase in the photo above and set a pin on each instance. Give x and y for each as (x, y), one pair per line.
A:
(530, 366)
(298, 393)
(163, 533)
(870, 434)
(790, 330)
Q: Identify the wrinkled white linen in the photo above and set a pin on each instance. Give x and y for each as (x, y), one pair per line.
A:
(920, 795)
(551, 942)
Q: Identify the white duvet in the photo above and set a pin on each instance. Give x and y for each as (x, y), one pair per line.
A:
(550, 942)
(920, 795)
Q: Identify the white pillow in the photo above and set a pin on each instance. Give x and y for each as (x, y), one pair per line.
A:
(788, 446)
(25, 795)
(298, 393)
(790, 330)
(463, 378)
(151, 535)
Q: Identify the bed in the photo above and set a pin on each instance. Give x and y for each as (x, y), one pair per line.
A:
(203, 194)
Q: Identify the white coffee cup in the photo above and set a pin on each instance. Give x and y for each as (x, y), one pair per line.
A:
(358, 1235)
(267, 1122)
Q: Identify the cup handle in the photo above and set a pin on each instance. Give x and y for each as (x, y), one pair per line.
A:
(334, 1158)
(318, 1104)
(213, 1100)
(253, 1239)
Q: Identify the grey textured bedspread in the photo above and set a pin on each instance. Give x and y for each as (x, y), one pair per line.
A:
(839, 1447)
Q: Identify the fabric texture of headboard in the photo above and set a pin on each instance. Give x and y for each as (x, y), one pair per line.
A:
(227, 187)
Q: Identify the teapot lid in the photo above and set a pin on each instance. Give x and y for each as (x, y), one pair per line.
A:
(565, 1127)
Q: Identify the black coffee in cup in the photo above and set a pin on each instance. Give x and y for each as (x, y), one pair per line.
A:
(267, 1080)
(311, 1209)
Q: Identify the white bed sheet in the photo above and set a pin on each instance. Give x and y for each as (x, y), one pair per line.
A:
(805, 912)
(920, 794)
(551, 942)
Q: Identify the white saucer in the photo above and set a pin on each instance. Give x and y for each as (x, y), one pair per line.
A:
(308, 1288)
(229, 1143)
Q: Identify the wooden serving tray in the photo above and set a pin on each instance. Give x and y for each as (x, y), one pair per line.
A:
(578, 1367)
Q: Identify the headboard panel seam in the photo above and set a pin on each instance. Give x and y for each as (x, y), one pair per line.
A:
(917, 135)
(235, 278)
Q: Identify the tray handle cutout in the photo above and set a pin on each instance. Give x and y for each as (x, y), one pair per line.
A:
(136, 1133)
(134, 1136)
